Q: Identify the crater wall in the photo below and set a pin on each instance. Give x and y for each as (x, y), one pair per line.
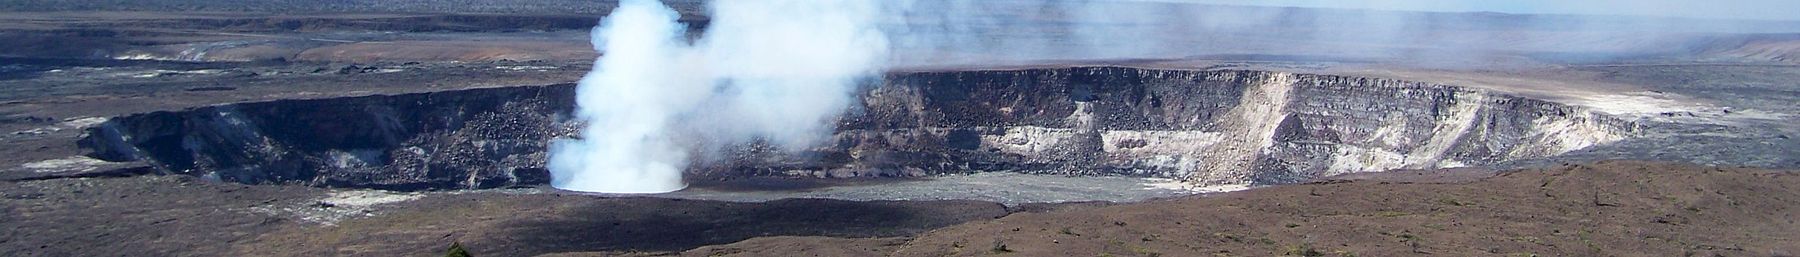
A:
(1211, 127)
(1207, 127)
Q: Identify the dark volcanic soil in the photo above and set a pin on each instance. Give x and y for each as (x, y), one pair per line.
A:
(184, 216)
(1625, 208)
(525, 225)
(1619, 208)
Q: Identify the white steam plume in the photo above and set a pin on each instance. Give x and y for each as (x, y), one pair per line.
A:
(773, 70)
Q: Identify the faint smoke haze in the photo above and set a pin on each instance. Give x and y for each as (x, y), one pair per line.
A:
(976, 33)
(1715, 9)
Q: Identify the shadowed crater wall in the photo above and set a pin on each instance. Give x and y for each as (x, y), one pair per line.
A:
(1208, 127)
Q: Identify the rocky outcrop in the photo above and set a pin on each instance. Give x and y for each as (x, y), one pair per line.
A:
(479, 138)
(1208, 127)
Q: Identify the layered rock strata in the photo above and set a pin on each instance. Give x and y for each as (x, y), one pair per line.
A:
(1207, 127)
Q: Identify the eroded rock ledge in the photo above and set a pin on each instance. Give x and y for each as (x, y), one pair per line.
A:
(1209, 127)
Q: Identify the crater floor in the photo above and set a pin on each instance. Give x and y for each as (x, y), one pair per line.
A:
(1006, 188)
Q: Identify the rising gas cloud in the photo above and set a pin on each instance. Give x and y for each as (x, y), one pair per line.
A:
(772, 71)
(779, 71)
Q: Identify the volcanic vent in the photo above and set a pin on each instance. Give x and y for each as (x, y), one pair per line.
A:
(1208, 127)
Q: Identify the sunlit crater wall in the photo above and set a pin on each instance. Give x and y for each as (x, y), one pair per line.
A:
(1211, 127)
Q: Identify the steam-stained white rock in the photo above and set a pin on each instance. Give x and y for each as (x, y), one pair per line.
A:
(1209, 127)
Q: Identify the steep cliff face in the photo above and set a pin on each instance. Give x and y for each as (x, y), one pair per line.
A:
(1208, 127)
(478, 138)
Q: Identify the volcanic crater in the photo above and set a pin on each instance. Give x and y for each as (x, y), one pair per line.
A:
(1028, 128)
(1209, 128)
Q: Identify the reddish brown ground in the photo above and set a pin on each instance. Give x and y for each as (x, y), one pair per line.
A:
(1620, 208)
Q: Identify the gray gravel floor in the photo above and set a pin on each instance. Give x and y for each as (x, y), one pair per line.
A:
(1000, 187)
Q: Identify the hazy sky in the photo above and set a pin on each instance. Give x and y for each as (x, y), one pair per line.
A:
(1733, 9)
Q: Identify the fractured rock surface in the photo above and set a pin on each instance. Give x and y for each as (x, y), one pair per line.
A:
(1207, 127)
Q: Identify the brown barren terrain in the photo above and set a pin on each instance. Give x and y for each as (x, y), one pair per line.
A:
(1614, 208)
